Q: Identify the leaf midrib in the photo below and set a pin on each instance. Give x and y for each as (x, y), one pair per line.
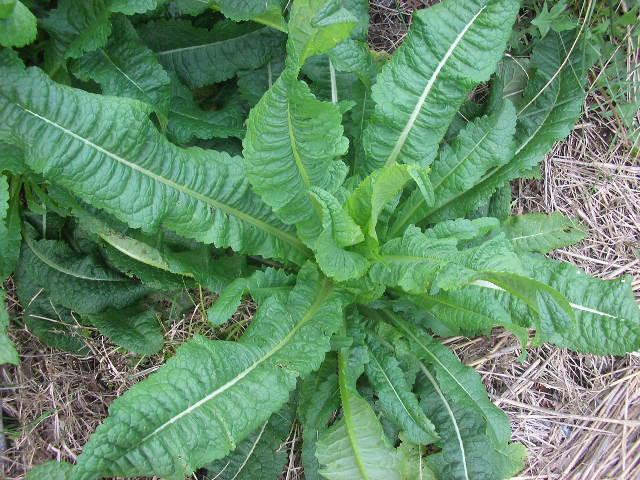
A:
(260, 224)
(210, 44)
(427, 89)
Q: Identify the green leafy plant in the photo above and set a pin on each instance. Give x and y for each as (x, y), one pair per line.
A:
(366, 211)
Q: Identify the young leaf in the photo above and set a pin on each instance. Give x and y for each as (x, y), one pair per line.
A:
(126, 68)
(202, 57)
(291, 145)
(261, 285)
(316, 26)
(19, 27)
(430, 76)
(536, 232)
(338, 231)
(261, 454)
(214, 394)
(356, 446)
(135, 328)
(200, 194)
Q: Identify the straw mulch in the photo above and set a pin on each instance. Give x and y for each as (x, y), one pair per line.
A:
(578, 415)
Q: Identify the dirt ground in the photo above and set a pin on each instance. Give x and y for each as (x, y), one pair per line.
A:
(578, 415)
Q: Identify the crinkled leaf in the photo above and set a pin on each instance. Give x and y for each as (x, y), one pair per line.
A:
(187, 120)
(19, 28)
(126, 68)
(607, 315)
(338, 231)
(10, 237)
(51, 471)
(537, 232)
(319, 399)
(484, 143)
(54, 324)
(394, 393)
(356, 446)
(135, 173)
(135, 328)
(214, 394)
(291, 146)
(261, 454)
(416, 260)
(131, 7)
(77, 27)
(202, 57)
(551, 105)
(430, 76)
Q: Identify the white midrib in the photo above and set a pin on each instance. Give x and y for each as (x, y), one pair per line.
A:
(486, 284)
(322, 296)
(253, 447)
(292, 240)
(393, 388)
(454, 422)
(206, 45)
(427, 89)
(123, 73)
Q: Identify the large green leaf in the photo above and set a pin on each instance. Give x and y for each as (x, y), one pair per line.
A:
(134, 172)
(201, 57)
(356, 446)
(131, 7)
(261, 454)
(476, 440)
(19, 27)
(482, 144)
(291, 146)
(214, 394)
(126, 68)
(551, 105)
(135, 328)
(451, 47)
(77, 281)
